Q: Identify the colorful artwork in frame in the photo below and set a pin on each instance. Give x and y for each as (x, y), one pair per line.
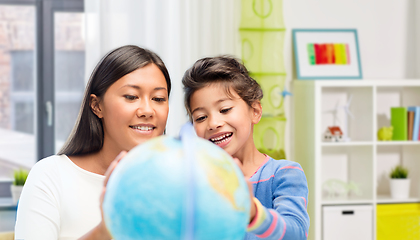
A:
(327, 54)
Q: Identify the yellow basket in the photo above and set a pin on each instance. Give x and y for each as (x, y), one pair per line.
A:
(398, 221)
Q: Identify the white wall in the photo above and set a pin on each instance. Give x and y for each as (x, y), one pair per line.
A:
(385, 28)
(386, 32)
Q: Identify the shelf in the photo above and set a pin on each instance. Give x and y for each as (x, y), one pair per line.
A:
(359, 200)
(340, 144)
(362, 165)
(397, 143)
(388, 199)
(346, 201)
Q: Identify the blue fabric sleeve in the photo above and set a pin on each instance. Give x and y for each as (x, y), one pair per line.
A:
(288, 220)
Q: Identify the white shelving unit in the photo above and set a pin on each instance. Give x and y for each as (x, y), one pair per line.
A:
(363, 160)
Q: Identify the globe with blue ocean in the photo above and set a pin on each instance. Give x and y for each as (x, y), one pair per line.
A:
(170, 188)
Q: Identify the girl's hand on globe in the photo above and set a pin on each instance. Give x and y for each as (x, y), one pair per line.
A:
(108, 172)
(251, 192)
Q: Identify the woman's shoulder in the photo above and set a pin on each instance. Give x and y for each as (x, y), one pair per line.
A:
(51, 161)
(45, 175)
(48, 165)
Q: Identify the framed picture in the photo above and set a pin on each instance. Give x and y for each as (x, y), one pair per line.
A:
(327, 54)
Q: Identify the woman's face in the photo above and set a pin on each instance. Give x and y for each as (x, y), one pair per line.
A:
(134, 108)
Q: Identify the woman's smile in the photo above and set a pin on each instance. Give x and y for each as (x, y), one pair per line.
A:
(143, 128)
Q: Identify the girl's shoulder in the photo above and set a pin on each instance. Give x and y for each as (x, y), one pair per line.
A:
(279, 165)
(277, 169)
(286, 170)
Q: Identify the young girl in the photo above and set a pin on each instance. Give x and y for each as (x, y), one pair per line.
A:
(223, 103)
(125, 104)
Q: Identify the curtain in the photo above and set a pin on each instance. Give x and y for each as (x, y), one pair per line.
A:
(179, 31)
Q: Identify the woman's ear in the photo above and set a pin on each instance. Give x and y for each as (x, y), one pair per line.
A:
(256, 111)
(95, 106)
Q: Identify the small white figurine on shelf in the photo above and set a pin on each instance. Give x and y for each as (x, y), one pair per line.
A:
(333, 134)
(346, 108)
(338, 188)
(344, 135)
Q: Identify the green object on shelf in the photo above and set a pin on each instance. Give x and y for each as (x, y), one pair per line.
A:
(269, 136)
(385, 133)
(399, 172)
(399, 123)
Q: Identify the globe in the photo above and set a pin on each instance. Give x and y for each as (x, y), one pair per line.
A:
(169, 188)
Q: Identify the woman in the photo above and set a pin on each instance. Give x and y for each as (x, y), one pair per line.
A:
(125, 104)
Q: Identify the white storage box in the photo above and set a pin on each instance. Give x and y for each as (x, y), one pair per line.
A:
(347, 222)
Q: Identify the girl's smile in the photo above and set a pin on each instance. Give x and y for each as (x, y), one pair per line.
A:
(223, 118)
(221, 139)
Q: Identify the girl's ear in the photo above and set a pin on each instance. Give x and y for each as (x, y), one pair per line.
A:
(256, 112)
(95, 106)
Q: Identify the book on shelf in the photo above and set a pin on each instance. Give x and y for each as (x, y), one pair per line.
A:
(416, 122)
(399, 123)
(410, 121)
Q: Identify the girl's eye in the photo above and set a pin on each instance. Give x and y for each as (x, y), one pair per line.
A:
(157, 99)
(225, 110)
(200, 119)
(130, 97)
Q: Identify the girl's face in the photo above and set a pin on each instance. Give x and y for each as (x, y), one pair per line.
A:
(225, 120)
(134, 108)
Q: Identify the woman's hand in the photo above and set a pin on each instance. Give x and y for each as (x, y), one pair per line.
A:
(107, 175)
(253, 210)
(100, 231)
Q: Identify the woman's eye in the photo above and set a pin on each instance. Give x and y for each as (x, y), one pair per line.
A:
(130, 97)
(225, 110)
(200, 119)
(159, 99)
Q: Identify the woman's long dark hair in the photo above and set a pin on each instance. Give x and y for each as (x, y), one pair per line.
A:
(88, 135)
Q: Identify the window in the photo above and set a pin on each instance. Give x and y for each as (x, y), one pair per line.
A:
(17, 88)
(69, 66)
(42, 78)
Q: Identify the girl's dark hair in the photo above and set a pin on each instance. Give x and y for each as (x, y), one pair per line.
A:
(88, 135)
(225, 70)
